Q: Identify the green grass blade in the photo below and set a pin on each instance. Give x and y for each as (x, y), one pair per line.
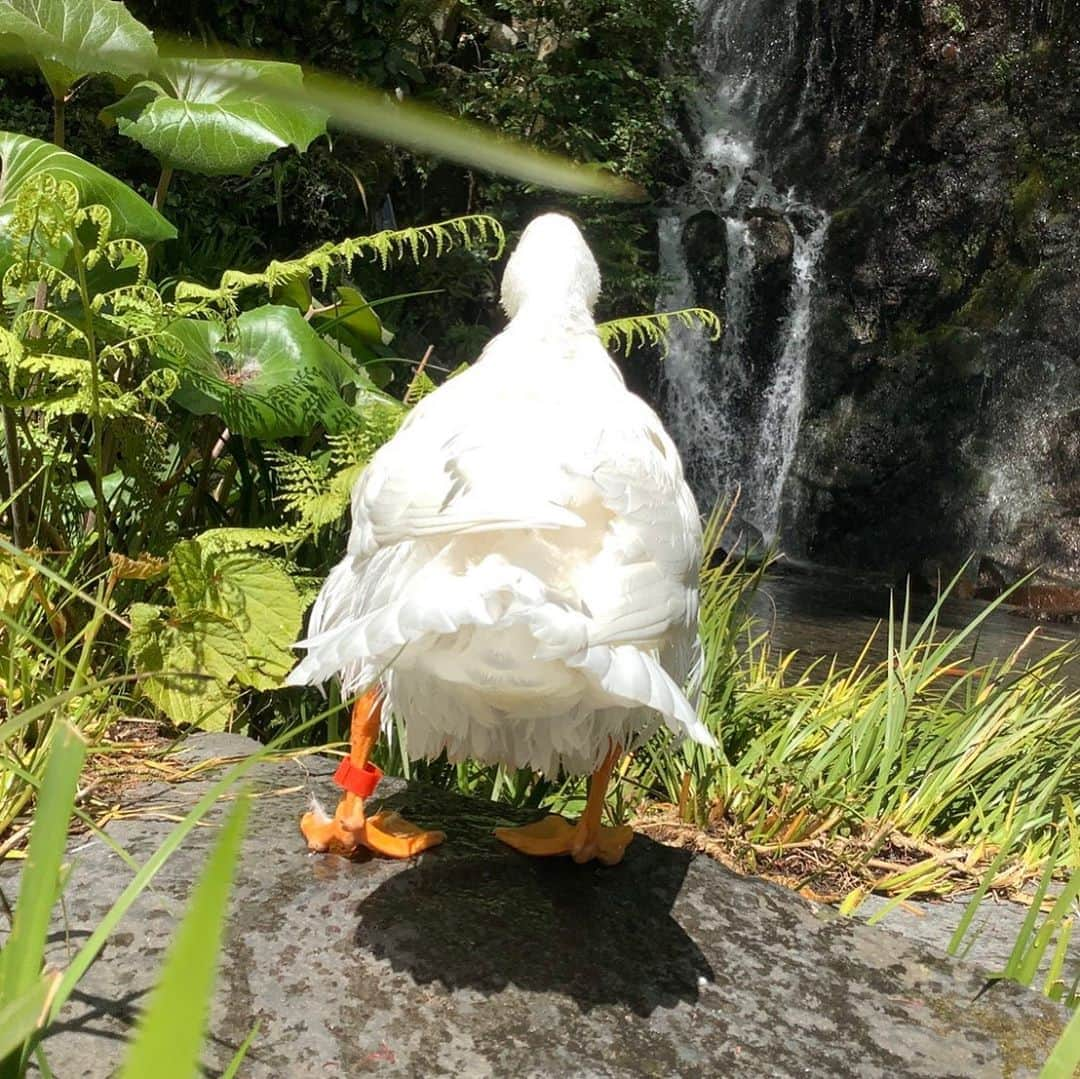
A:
(96, 941)
(170, 1034)
(21, 959)
(1054, 921)
(22, 1016)
(980, 892)
(238, 1057)
(1064, 1059)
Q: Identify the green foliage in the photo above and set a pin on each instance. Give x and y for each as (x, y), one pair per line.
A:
(626, 334)
(219, 116)
(953, 18)
(267, 375)
(918, 747)
(72, 38)
(25, 163)
(169, 1038)
(425, 241)
(235, 615)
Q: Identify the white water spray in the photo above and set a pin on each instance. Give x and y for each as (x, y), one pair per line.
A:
(735, 425)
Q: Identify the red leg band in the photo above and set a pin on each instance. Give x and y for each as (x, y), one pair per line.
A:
(361, 781)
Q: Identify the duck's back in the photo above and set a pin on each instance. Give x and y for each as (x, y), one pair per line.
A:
(522, 568)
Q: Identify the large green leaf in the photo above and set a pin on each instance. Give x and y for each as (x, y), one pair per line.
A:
(219, 116)
(23, 158)
(275, 377)
(186, 662)
(72, 38)
(262, 601)
(250, 591)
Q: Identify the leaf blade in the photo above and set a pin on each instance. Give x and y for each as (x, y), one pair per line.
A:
(170, 1033)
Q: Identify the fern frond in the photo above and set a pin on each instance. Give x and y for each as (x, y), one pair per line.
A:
(23, 277)
(470, 231)
(11, 355)
(420, 386)
(44, 209)
(101, 219)
(129, 254)
(224, 540)
(626, 333)
(51, 330)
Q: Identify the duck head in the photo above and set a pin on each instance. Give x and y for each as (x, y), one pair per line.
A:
(552, 272)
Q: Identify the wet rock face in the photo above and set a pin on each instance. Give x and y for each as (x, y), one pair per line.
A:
(772, 245)
(944, 379)
(706, 245)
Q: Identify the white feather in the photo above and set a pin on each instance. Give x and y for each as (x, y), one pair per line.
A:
(522, 569)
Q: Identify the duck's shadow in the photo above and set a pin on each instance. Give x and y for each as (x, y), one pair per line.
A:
(474, 915)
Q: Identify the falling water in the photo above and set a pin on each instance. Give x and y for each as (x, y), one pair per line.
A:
(737, 420)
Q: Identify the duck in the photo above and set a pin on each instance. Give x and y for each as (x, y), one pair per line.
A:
(520, 583)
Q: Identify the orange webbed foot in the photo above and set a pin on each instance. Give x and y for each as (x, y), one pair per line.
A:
(386, 833)
(554, 835)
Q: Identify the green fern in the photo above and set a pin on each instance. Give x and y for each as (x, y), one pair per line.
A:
(470, 231)
(624, 334)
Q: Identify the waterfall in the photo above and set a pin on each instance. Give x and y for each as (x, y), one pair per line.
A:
(734, 407)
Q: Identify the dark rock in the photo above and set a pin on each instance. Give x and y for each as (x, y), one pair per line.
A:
(477, 961)
(771, 236)
(705, 237)
(943, 382)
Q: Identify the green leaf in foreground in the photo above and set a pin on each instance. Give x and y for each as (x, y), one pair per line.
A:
(250, 591)
(1064, 1059)
(276, 377)
(22, 159)
(170, 1034)
(23, 992)
(262, 601)
(23, 953)
(19, 1018)
(219, 116)
(72, 38)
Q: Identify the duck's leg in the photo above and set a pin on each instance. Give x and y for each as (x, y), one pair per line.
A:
(386, 832)
(583, 841)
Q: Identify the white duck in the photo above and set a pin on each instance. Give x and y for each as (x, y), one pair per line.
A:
(521, 581)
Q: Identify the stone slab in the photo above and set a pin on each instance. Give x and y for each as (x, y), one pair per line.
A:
(476, 961)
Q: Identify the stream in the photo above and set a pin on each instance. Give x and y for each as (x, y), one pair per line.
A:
(823, 613)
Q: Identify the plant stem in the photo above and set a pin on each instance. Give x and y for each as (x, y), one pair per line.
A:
(95, 391)
(59, 108)
(162, 187)
(11, 451)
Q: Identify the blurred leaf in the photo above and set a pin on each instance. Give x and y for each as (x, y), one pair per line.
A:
(23, 953)
(169, 1039)
(1064, 1059)
(426, 130)
(23, 158)
(72, 38)
(276, 378)
(219, 116)
(19, 1018)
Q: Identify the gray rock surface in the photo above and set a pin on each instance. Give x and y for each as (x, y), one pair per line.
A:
(476, 961)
